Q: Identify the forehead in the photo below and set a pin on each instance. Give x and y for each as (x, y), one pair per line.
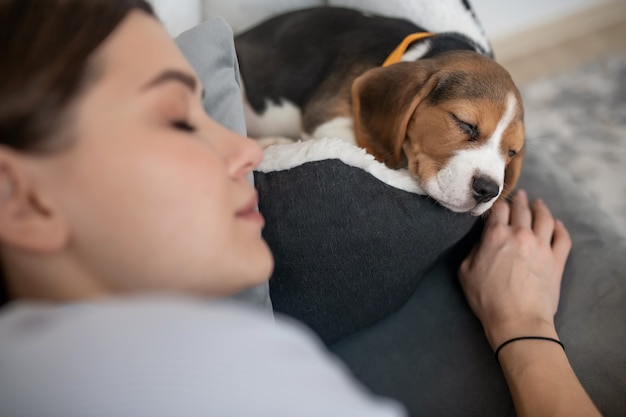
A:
(137, 50)
(468, 75)
(464, 85)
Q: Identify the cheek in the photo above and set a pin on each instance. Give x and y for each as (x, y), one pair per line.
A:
(432, 143)
(161, 179)
(144, 212)
(179, 192)
(513, 139)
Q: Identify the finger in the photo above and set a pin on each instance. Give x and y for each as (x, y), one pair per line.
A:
(520, 211)
(561, 243)
(543, 222)
(468, 262)
(500, 213)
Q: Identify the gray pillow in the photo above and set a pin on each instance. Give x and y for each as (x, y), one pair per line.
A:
(210, 49)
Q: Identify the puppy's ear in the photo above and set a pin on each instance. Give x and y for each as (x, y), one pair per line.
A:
(512, 174)
(383, 101)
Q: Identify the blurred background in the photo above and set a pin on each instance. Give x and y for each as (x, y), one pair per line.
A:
(536, 37)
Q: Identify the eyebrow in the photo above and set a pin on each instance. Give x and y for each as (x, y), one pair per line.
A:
(174, 75)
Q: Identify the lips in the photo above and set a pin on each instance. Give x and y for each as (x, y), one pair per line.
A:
(249, 212)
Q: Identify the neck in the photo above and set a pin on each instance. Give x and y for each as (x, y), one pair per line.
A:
(51, 278)
(423, 45)
(397, 54)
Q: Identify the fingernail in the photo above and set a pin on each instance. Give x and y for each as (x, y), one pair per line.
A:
(521, 193)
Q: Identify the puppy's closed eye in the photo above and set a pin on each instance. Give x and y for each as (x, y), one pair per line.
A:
(467, 128)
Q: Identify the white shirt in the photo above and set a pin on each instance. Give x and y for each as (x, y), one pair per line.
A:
(170, 357)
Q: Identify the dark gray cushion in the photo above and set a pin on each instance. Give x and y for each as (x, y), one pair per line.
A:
(432, 354)
(349, 248)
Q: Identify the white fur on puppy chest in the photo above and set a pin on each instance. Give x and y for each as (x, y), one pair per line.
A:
(283, 119)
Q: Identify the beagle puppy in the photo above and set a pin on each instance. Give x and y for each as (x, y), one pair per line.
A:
(439, 105)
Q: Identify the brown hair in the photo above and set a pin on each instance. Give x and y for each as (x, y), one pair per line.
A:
(45, 50)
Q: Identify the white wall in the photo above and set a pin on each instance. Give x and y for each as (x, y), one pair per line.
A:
(501, 18)
(178, 15)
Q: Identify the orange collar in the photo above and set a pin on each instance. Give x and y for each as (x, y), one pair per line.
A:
(397, 53)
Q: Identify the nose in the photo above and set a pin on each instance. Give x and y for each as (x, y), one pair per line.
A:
(246, 156)
(484, 189)
(242, 155)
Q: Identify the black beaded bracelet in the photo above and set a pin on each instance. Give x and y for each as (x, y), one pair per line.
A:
(515, 339)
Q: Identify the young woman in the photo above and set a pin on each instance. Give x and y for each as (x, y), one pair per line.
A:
(114, 184)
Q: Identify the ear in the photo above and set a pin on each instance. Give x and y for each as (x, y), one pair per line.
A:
(383, 101)
(27, 220)
(512, 174)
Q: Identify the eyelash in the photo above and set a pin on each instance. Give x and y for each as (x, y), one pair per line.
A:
(469, 129)
(472, 132)
(184, 126)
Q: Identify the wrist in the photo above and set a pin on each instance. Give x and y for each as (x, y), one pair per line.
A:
(507, 330)
(522, 338)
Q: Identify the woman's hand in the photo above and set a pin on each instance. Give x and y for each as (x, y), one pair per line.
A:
(512, 278)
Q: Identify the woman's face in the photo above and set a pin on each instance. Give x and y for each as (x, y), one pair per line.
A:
(155, 193)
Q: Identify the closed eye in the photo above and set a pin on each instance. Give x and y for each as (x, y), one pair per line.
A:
(184, 126)
(467, 128)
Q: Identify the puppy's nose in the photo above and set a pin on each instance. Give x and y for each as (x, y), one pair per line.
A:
(484, 189)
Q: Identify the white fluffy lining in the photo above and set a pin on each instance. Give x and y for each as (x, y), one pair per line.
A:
(286, 156)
